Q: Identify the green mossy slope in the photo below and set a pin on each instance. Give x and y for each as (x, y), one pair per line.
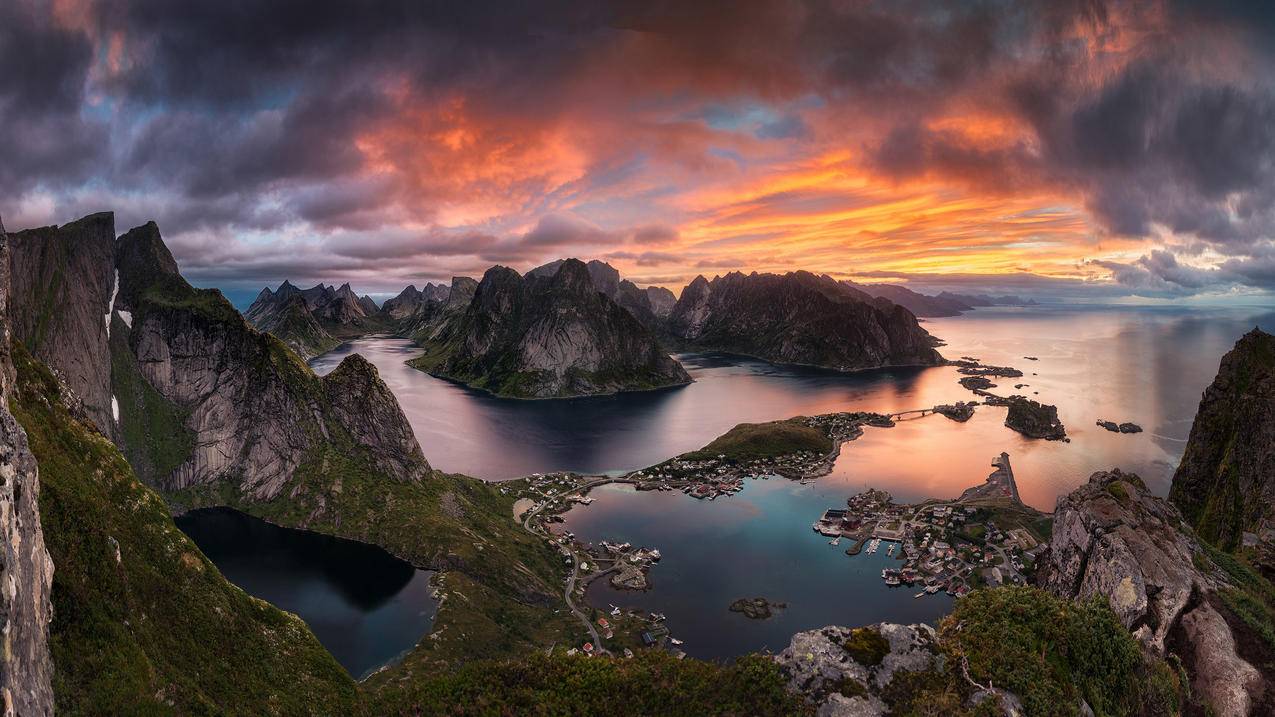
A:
(143, 623)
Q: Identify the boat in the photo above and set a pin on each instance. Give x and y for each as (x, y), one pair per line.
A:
(892, 581)
(920, 594)
(835, 541)
(931, 589)
(675, 641)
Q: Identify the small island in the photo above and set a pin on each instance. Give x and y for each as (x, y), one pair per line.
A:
(756, 608)
(1034, 419)
(1120, 427)
(976, 383)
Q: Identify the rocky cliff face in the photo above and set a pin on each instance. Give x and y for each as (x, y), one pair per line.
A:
(26, 572)
(62, 290)
(136, 602)
(662, 301)
(1114, 540)
(363, 405)
(799, 318)
(1225, 484)
(252, 411)
(547, 336)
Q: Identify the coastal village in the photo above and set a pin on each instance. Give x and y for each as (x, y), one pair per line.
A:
(987, 536)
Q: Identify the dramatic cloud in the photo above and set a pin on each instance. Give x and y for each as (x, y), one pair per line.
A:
(1124, 147)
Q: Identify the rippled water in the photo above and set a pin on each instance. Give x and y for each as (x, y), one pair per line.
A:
(366, 606)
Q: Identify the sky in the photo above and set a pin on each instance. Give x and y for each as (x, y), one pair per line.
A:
(1073, 148)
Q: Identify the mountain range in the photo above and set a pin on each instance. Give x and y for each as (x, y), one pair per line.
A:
(548, 334)
(130, 395)
(315, 320)
(799, 318)
(569, 328)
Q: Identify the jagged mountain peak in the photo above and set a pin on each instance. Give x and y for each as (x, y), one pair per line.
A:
(141, 254)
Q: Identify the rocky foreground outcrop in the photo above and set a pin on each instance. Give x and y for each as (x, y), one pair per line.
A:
(799, 318)
(845, 671)
(26, 572)
(1114, 540)
(1225, 484)
(547, 335)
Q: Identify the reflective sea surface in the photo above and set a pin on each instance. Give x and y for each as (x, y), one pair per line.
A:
(366, 606)
(1142, 364)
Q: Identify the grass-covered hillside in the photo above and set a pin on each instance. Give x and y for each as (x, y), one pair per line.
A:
(143, 623)
(1049, 652)
(750, 441)
(652, 683)
(502, 584)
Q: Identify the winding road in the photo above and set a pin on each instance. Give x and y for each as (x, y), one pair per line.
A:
(575, 559)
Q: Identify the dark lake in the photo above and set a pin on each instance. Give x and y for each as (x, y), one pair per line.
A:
(366, 606)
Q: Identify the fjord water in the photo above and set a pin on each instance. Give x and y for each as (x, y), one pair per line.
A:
(366, 606)
(1142, 364)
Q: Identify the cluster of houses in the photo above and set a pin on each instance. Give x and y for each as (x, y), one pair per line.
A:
(940, 545)
(720, 475)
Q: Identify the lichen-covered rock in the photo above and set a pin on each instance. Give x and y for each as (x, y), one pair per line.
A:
(843, 671)
(799, 318)
(1226, 680)
(1113, 539)
(26, 572)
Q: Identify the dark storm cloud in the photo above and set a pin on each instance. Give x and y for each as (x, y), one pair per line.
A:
(43, 70)
(352, 119)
